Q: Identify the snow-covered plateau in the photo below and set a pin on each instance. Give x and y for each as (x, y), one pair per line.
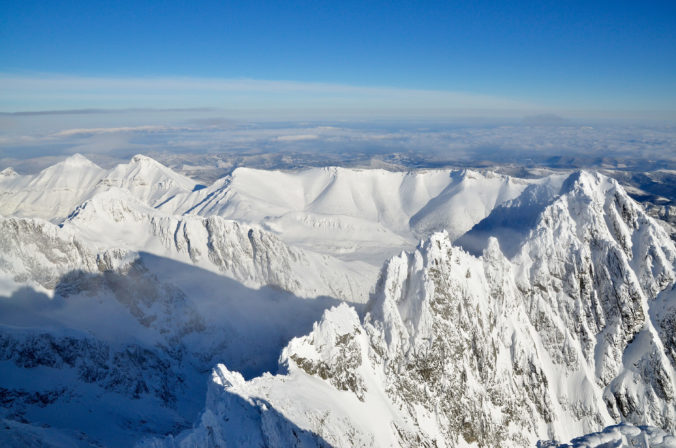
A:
(332, 307)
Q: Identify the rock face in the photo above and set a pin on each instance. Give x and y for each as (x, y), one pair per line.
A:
(574, 333)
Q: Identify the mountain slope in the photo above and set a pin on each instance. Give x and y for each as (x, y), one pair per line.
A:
(53, 192)
(97, 341)
(247, 254)
(147, 180)
(457, 350)
(353, 214)
(559, 318)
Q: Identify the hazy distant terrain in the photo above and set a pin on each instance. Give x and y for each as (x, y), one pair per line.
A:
(204, 146)
(210, 146)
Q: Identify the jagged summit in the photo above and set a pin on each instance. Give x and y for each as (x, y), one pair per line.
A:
(588, 181)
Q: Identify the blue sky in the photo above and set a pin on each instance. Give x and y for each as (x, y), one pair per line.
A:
(422, 56)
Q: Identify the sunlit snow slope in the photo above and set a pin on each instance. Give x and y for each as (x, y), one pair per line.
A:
(302, 309)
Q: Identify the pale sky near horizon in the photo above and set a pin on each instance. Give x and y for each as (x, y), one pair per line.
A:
(376, 57)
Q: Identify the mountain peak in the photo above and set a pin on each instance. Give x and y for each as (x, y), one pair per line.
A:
(78, 159)
(8, 172)
(582, 180)
(140, 158)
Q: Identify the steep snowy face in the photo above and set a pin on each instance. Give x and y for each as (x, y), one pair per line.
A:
(585, 280)
(543, 371)
(454, 323)
(571, 335)
(474, 193)
(591, 272)
(52, 193)
(511, 221)
(37, 254)
(83, 337)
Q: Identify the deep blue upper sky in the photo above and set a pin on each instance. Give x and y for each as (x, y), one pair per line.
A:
(560, 54)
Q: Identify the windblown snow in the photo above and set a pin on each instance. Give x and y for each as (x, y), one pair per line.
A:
(332, 307)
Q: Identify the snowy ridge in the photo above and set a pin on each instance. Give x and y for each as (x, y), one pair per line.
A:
(555, 317)
(353, 214)
(350, 213)
(247, 254)
(463, 351)
(54, 192)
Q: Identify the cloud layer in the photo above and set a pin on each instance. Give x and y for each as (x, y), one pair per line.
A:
(253, 97)
(185, 136)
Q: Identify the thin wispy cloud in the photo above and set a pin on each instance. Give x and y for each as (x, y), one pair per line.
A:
(44, 92)
(297, 138)
(91, 131)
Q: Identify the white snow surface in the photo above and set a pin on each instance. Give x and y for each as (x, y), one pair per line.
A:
(52, 193)
(122, 289)
(358, 214)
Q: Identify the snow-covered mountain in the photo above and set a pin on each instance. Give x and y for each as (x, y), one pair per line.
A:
(52, 193)
(366, 215)
(532, 310)
(458, 350)
(147, 180)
